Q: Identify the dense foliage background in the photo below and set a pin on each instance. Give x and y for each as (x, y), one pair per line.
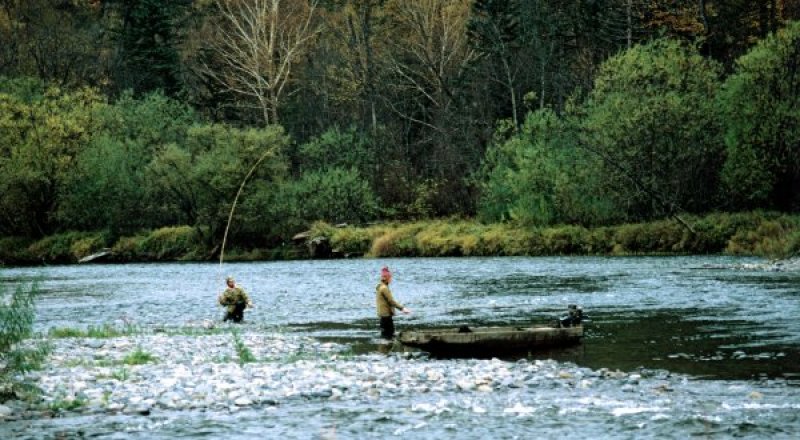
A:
(127, 116)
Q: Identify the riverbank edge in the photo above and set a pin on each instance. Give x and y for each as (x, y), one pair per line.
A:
(765, 234)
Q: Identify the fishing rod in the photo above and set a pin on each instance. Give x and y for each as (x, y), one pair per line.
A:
(233, 208)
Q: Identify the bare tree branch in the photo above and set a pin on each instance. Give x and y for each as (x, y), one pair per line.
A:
(258, 42)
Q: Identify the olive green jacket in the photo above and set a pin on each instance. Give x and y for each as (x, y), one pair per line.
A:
(233, 296)
(385, 301)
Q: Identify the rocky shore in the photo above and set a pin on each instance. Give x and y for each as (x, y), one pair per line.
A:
(780, 265)
(788, 265)
(90, 375)
(139, 377)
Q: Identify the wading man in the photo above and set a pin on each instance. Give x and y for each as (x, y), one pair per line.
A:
(387, 304)
(235, 300)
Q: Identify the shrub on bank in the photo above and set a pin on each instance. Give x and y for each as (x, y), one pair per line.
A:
(14, 250)
(774, 237)
(171, 243)
(353, 240)
(663, 236)
(768, 234)
(714, 231)
(440, 239)
(397, 242)
(565, 240)
(164, 244)
(126, 248)
(67, 247)
(757, 233)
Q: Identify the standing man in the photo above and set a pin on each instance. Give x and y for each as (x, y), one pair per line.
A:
(235, 300)
(387, 304)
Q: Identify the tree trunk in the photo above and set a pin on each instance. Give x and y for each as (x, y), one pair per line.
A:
(630, 23)
(510, 85)
(701, 7)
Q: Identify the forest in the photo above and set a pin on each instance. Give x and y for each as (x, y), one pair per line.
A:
(124, 117)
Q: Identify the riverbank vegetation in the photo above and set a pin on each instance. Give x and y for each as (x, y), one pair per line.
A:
(532, 129)
(767, 234)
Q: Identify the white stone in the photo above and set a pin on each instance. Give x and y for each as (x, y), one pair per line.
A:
(243, 401)
(5, 411)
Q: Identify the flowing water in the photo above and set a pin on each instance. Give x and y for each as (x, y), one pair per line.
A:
(721, 332)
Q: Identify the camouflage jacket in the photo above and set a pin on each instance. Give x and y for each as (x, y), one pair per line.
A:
(232, 297)
(385, 301)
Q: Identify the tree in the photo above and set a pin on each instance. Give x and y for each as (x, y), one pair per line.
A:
(336, 195)
(42, 131)
(148, 34)
(760, 105)
(200, 177)
(349, 61)
(540, 176)
(259, 42)
(108, 187)
(57, 41)
(337, 148)
(430, 55)
(651, 117)
(493, 32)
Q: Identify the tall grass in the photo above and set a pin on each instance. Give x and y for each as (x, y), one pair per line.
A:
(764, 234)
(756, 233)
(16, 324)
(102, 332)
(138, 357)
(67, 247)
(242, 351)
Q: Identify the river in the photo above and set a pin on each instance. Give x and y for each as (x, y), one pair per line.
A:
(727, 341)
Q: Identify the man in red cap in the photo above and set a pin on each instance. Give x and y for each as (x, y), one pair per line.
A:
(387, 304)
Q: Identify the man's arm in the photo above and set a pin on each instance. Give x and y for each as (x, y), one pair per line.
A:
(390, 299)
(247, 300)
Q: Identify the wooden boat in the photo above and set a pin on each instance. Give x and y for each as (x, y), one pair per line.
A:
(490, 341)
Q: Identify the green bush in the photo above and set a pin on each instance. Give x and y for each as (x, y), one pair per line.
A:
(138, 357)
(492, 238)
(793, 244)
(397, 242)
(600, 241)
(565, 240)
(127, 248)
(665, 236)
(439, 239)
(16, 324)
(775, 238)
(170, 243)
(14, 250)
(540, 177)
(67, 247)
(350, 240)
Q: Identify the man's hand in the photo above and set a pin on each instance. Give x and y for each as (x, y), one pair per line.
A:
(406, 310)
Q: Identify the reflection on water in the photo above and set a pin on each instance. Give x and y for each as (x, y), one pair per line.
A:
(538, 284)
(683, 314)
